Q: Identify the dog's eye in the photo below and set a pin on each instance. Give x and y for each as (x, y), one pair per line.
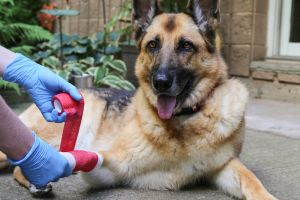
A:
(152, 45)
(186, 45)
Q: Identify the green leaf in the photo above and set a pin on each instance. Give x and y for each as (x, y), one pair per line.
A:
(71, 58)
(100, 73)
(68, 50)
(126, 85)
(57, 12)
(77, 71)
(98, 57)
(91, 71)
(64, 74)
(111, 78)
(75, 38)
(114, 36)
(83, 41)
(24, 49)
(75, 66)
(88, 61)
(112, 49)
(51, 62)
(47, 46)
(66, 39)
(41, 55)
(100, 37)
(80, 50)
(24, 32)
(94, 45)
(117, 65)
(106, 58)
(4, 85)
(111, 81)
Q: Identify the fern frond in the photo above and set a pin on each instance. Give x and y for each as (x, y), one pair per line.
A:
(26, 50)
(4, 85)
(24, 32)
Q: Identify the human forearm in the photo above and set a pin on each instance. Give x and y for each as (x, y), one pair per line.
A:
(16, 138)
(39, 162)
(6, 57)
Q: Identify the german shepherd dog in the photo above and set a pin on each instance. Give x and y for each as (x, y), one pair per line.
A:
(185, 122)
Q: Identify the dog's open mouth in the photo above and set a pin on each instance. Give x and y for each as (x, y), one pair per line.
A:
(166, 106)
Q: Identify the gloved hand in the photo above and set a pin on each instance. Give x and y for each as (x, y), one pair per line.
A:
(41, 84)
(43, 164)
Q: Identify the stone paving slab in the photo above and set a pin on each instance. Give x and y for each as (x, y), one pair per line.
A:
(274, 159)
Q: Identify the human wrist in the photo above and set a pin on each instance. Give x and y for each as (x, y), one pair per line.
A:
(21, 70)
(23, 148)
(31, 153)
(43, 164)
(6, 57)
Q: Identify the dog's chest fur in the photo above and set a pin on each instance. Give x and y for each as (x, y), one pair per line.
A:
(154, 154)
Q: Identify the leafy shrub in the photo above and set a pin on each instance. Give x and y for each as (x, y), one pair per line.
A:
(92, 55)
(19, 28)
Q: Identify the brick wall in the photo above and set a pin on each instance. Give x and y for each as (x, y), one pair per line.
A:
(91, 18)
(243, 29)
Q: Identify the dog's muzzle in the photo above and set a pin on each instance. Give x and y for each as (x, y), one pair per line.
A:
(162, 81)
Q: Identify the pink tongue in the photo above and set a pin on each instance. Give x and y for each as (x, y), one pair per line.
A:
(165, 106)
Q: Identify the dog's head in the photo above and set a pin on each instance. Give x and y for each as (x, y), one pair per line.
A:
(178, 63)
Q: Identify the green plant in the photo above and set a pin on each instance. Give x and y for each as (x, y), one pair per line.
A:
(173, 5)
(18, 25)
(19, 30)
(125, 12)
(124, 15)
(60, 14)
(92, 55)
(4, 85)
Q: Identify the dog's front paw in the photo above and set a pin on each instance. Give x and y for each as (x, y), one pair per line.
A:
(3, 161)
(38, 192)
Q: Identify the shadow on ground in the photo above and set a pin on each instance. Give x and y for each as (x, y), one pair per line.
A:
(274, 159)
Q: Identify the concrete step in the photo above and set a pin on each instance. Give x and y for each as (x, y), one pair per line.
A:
(280, 118)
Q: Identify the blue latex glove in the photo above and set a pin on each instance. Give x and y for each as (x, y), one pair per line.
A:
(41, 84)
(43, 164)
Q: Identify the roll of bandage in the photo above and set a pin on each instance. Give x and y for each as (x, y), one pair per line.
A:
(79, 160)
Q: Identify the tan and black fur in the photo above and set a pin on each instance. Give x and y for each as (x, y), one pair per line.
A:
(141, 149)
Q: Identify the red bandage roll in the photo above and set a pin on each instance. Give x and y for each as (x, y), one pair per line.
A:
(81, 160)
(63, 102)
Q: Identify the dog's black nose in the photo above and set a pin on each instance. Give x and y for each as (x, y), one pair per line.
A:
(162, 81)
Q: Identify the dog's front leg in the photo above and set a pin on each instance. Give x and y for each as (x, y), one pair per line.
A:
(238, 181)
(105, 176)
(3, 161)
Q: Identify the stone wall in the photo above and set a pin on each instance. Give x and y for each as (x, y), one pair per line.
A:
(243, 32)
(91, 18)
(243, 29)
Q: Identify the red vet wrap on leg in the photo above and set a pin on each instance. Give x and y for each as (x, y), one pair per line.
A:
(85, 161)
(74, 111)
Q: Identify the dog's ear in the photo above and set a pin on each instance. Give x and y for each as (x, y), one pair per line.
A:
(143, 13)
(206, 14)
